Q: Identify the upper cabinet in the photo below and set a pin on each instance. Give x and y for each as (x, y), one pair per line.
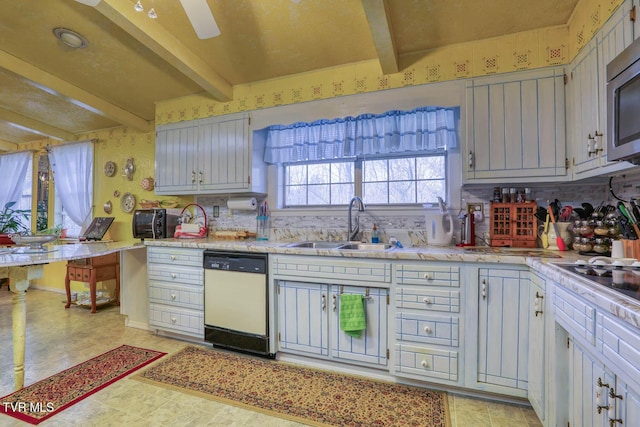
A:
(587, 96)
(208, 156)
(515, 127)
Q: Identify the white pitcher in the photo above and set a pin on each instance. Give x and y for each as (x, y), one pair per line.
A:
(438, 232)
(565, 233)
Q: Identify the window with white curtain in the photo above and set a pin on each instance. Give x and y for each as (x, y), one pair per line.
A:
(15, 175)
(395, 158)
(72, 166)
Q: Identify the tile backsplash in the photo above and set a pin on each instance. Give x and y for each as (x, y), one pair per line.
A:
(409, 228)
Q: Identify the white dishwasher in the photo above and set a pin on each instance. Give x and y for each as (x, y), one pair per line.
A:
(236, 301)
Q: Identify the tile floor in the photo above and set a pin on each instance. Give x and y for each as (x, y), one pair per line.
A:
(58, 339)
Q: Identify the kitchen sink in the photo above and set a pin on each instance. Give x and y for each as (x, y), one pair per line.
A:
(366, 246)
(357, 246)
(316, 245)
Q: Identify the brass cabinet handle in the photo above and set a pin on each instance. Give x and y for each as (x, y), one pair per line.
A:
(484, 288)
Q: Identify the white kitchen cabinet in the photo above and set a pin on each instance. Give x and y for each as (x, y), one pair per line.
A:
(175, 280)
(587, 99)
(498, 315)
(515, 127)
(428, 322)
(537, 357)
(303, 318)
(207, 156)
(308, 299)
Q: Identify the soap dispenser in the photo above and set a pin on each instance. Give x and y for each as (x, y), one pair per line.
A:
(375, 234)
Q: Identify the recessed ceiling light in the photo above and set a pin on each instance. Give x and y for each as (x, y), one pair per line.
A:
(70, 38)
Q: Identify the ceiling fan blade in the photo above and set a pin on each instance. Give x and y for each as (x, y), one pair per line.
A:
(89, 2)
(201, 18)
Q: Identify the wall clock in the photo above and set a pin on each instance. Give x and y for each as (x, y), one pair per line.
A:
(109, 168)
(128, 202)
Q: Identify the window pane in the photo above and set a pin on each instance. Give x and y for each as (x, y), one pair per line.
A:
(402, 169)
(342, 172)
(430, 167)
(296, 195)
(429, 191)
(402, 192)
(319, 173)
(341, 194)
(375, 193)
(297, 174)
(319, 195)
(375, 170)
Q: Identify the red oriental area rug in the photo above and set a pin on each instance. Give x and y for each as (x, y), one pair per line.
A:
(309, 396)
(46, 398)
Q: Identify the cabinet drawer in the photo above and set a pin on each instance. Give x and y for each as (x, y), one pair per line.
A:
(176, 274)
(354, 269)
(427, 362)
(428, 299)
(428, 328)
(428, 275)
(575, 315)
(175, 256)
(182, 320)
(176, 295)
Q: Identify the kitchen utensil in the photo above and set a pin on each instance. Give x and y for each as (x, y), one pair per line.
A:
(544, 236)
(559, 241)
(623, 210)
(565, 213)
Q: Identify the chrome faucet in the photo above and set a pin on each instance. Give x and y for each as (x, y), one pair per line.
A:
(353, 231)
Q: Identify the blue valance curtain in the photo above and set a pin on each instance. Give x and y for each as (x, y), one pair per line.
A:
(422, 130)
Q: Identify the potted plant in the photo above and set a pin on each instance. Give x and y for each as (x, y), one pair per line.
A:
(12, 221)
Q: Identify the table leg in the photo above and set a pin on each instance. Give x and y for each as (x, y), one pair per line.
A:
(117, 284)
(92, 289)
(67, 288)
(19, 277)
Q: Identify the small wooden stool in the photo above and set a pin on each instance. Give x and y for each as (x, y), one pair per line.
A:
(93, 270)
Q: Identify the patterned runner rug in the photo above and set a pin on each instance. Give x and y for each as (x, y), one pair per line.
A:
(46, 398)
(296, 393)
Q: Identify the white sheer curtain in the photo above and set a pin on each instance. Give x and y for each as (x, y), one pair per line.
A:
(422, 130)
(72, 166)
(13, 172)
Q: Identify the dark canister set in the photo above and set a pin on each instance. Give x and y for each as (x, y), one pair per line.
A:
(511, 195)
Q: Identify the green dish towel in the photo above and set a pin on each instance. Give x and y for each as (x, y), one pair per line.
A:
(352, 317)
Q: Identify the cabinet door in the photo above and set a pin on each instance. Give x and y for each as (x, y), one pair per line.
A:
(224, 155)
(503, 326)
(516, 126)
(302, 317)
(586, 373)
(371, 346)
(627, 405)
(175, 162)
(537, 348)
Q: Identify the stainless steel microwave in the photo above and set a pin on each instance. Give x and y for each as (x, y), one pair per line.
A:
(154, 223)
(623, 105)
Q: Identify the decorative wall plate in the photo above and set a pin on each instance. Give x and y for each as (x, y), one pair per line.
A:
(109, 168)
(128, 202)
(107, 207)
(129, 168)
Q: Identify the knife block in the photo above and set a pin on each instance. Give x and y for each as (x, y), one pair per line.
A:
(631, 248)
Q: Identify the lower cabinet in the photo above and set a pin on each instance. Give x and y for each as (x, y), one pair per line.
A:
(176, 290)
(538, 359)
(309, 322)
(427, 324)
(499, 318)
(599, 363)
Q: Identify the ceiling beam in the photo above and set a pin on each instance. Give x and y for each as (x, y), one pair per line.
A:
(382, 34)
(35, 125)
(8, 146)
(164, 44)
(55, 85)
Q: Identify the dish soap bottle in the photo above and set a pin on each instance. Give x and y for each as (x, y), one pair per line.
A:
(375, 235)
